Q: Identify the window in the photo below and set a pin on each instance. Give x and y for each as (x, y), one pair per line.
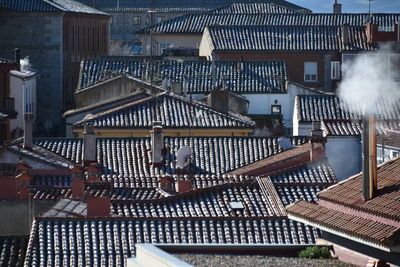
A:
(395, 154)
(335, 70)
(137, 20)
(276, 109)
(160, 19)
(310, 71)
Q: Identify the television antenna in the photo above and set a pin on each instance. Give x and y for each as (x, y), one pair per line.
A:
(184, 156)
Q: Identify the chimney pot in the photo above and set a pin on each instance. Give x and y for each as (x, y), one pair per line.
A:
(17, 55)
(157, 143)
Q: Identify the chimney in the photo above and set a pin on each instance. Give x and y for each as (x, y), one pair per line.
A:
(89, 143)
(167, 184)
(77, 183)
(337, 8)
(17, 55)
(219, 100)
(157, 143)
(28, 129)
(98, 206)
(317, 143)
(346, 34)
(176, 87)
(23, 183)
(369, 180)
(183, 186)
(93, 171)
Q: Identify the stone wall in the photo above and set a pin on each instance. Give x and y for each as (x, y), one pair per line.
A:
(39, 36)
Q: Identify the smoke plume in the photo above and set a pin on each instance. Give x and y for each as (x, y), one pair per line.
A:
(369, 80)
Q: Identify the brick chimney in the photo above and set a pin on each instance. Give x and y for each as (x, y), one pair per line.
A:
(369, 168)
(23, 181)
(157, 144)
(93, 172)
(374, 35)
(183, 186)
(98, 206)
(167, 184)
(337, 8)
(89, 143)
(317, 143)
(77, 183)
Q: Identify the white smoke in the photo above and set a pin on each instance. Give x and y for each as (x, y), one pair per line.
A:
(25, 65)
(369, 80)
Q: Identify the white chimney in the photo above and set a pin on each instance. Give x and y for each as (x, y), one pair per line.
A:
(157, 143)
(89, 143)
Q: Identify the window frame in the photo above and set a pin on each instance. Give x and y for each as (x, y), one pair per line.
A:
(135, 18)
(335, 70)
(310, 75)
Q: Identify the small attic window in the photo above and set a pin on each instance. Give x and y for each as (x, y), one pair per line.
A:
(236, 205)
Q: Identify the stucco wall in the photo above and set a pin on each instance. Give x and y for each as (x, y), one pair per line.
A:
(17, 214)
(39, 36)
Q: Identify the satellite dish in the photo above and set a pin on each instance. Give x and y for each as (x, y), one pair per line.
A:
(184, 156)
(284, 143)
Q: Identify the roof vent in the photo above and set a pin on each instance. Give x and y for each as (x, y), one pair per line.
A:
(236, 205)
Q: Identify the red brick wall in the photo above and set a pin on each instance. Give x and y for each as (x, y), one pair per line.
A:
(8, 188)
(294, 60)
(98, 207)
(378, 36)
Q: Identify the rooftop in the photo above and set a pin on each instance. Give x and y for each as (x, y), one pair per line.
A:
(311, 108)
(195, 76)
(175, 5)
(341, 209)
(196, 23)
(48, 6)
(173, 111)
(131, 156)
(284, 38)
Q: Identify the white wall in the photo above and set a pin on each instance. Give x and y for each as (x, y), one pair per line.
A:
(16, 91)
(344, 154)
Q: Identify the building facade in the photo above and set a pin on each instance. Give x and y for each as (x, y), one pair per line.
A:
(55, 36)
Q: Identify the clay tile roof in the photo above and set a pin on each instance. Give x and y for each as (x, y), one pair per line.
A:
(261, 167)
(387, 204)
(172, 110)
(48, 6)
(130, 156)
(285, 38)
(341, 209)
(196, 23)
(364, 228)
(12, 250)
(197, 76)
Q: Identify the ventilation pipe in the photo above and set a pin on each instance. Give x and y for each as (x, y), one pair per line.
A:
(369, 180)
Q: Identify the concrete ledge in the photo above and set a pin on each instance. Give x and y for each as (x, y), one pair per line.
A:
(148, 255)
(278, 249)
